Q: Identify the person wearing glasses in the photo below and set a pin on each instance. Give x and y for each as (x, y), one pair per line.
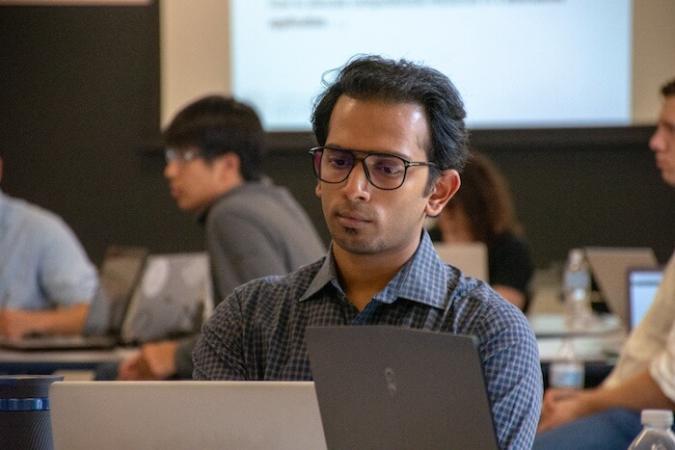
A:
(253, 228)
(392, 140)
(46, 279)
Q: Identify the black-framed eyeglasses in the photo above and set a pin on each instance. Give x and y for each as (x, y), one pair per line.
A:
(383, 170)
(181, 156)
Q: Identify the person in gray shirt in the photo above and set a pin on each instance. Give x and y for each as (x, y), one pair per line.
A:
(253, 228)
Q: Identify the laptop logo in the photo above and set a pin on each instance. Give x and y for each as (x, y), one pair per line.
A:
(390, 379)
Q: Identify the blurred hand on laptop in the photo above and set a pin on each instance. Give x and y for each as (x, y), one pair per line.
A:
(18, 323)
(154, 361)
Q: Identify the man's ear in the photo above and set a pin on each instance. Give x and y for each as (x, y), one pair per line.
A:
(317, 189)
(443, 190)
(231, 162)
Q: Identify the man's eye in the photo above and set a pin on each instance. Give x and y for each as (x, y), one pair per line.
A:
(388, 168)
(339, 163)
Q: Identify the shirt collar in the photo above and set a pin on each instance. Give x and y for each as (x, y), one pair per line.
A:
(423, 279)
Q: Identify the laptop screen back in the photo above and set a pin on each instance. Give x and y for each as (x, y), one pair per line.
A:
(172, 298)
(642, 286)
(471, 257)
(178, 415)
(120, 270)
(390, 388)
(610, 265)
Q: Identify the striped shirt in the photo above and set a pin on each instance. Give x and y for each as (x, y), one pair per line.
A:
(257, 333)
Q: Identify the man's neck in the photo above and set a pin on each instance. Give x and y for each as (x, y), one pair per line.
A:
(363, 276)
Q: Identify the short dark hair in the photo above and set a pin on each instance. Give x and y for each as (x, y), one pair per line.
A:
(218, 125)
(376, 78)
(668, 89)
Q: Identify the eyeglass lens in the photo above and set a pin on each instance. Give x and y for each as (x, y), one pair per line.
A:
(383, 171)
(171, 154)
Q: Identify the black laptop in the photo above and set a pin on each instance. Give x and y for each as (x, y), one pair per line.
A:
(393, 388)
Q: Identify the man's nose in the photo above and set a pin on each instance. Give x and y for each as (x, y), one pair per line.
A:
(656, 141)
(357, 184)
(170, 169)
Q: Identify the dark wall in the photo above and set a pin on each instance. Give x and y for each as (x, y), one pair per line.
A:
(571, 187)
(79, 89)
(79, 97)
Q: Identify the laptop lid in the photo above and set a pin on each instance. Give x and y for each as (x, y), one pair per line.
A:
(391, 388)
(119, 273)
(642, 286)
(178, 415)
(470, 257)
(609, 266)
(172, 298)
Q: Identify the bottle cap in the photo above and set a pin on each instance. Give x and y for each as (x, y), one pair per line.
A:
(657, 417)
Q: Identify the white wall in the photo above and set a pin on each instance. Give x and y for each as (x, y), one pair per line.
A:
(195, 53)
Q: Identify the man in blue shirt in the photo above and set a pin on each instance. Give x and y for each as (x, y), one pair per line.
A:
(392, 140)
(46, 278)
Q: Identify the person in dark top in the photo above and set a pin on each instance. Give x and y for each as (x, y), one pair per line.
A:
(482, 211)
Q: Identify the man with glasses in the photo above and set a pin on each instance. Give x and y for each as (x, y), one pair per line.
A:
(392, 140)
(253, 228)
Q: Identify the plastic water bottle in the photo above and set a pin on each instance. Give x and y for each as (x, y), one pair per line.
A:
(577, 291)
(656, 433)
(566, 370)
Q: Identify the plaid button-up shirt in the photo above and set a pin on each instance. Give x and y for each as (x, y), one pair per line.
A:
(258, 333)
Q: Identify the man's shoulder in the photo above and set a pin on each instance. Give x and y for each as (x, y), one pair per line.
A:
(34, 219)
(249, 193)
(278, 287)
(477, 302)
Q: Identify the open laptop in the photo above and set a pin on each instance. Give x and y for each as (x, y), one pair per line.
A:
(118, 276)
(178, 415)
(609, 266)
(381, 387)
(471, 257)
(172, 299)
(642, 286)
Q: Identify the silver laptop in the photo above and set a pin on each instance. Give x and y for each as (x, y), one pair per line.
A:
(118, 276)
(179, 415)
(172, 299)
(471, 257)
(609, 266)
(642, 286)
(392, 388)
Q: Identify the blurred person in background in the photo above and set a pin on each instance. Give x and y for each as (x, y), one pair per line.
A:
(608, 417)
(46, 279)
(482, 211)
(214, 150)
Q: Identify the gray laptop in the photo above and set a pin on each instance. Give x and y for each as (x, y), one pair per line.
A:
(118, 276)
(392, 388)
(172, 299)
(470, 257)
(610, 265)
(179, 415)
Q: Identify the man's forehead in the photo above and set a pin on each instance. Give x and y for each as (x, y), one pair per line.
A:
(411, 112)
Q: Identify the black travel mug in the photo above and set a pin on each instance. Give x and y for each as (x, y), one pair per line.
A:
(24, 412)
